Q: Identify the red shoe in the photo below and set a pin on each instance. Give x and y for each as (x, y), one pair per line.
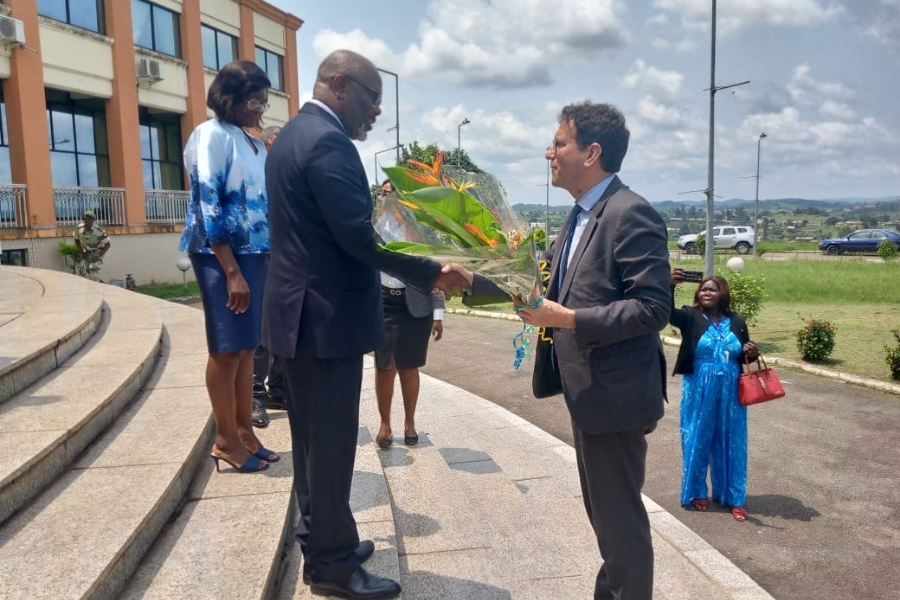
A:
(701, 504)
(739, 514)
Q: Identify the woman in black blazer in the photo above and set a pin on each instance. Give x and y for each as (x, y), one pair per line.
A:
(713, 423)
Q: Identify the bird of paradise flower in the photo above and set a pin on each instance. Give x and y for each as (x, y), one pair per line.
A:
(445, 205)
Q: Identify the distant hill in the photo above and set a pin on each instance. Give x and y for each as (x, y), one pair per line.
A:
(524, 208)
(776, 203)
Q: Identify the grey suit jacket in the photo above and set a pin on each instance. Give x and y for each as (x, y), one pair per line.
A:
(612, 363)
(421, 303)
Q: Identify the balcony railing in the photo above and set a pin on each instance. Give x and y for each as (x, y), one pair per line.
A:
(166, 207)
(13, 208)
(71, 202)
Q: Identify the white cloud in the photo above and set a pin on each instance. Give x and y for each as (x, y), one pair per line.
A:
(651, 79)
(495, 43)
(879, 19)
(831, 109)
(804, 88)
(683, 45)
(491, 137)
(660, 114)
(737, 14)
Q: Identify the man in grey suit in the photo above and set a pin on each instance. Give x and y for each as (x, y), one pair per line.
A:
(322, 309)
(607, 299)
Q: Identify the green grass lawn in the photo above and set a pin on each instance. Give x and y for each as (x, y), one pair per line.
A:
(862, 298)
(166, 291)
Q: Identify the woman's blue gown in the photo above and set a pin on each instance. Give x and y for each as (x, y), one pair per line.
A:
(713, 423)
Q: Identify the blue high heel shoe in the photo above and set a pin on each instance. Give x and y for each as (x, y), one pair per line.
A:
(251, 465)
(265, 453)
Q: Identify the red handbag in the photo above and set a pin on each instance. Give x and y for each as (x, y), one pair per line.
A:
(758, 386)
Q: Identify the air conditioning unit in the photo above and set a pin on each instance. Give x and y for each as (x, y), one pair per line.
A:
(149, 70)
(12, 32)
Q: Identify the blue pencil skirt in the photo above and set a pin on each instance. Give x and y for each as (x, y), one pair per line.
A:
(225, 330)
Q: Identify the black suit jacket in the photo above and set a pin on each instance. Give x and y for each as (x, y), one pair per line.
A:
(612, 363)
(323, 293)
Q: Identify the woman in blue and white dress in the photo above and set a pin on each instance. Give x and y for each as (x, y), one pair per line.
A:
(714, 341)
(226, 234)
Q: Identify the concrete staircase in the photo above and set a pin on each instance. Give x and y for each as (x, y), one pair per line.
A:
(105, 428)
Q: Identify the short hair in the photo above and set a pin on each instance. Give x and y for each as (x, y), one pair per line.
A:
(724, 293)
(235, 83)
(268, 133)
(602, 124)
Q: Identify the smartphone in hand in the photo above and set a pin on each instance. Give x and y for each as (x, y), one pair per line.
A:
(693, 276)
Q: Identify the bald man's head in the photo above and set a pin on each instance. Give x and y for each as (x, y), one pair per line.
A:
(349, 84)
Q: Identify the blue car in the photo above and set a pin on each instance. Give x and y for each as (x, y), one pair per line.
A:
(861, 240)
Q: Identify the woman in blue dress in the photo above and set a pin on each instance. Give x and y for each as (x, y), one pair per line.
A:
(226, 234)
(714, 341)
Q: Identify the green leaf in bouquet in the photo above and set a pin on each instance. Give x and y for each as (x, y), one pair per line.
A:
(402, 178)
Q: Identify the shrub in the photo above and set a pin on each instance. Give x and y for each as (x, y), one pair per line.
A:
(701, 244)
(540, 238)
(815, 340)
(887, 250)
(747, 295)
(70, 254)
(892, 358)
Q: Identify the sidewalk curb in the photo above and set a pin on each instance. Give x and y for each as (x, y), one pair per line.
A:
(881, 386)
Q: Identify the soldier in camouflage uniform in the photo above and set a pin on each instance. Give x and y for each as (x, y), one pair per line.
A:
(92, 243)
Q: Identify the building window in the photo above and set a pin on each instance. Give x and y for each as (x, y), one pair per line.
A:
(219, 48)
(161, 151)
(155, 28)
(79, 149)
(18, 258)
(87, 14)
(273, 65)
(5, 169)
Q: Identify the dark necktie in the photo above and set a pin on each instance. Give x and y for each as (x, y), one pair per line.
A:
(567, 247)
(563, 266)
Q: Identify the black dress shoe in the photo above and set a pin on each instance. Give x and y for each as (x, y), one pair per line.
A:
(258, 416)
(276, 403)
(359, 585)
(364, 551)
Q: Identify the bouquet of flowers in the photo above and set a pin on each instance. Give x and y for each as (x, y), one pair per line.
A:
(434, 215)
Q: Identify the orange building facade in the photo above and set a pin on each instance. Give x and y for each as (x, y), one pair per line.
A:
(98, 98)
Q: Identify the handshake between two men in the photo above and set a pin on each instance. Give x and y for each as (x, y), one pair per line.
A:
(453, 280)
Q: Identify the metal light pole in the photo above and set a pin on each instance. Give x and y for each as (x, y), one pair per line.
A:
(547, 213)
(710, 187)
(466, 121)
(756, 209)
(396, 126)
(382, 152)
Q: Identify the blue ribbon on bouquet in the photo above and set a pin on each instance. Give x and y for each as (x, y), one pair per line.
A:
(521, 343)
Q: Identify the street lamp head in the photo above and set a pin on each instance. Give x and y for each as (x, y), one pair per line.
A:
(762, 136)
(466, 121)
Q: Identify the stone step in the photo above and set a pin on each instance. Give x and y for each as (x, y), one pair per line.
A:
(85, 534)
(45, 317)
(228, 540)
(46, 426)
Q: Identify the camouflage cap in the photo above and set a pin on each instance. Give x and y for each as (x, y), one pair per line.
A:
(90, 213)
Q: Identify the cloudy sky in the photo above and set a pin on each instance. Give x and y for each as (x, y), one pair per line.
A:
(825, 86)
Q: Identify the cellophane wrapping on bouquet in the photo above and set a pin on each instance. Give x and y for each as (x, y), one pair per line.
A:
(467, 223)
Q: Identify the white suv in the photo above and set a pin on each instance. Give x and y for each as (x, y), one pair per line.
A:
(726, 237)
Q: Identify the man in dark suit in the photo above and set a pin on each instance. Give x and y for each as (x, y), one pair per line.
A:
(323, 311)
(607, 299)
